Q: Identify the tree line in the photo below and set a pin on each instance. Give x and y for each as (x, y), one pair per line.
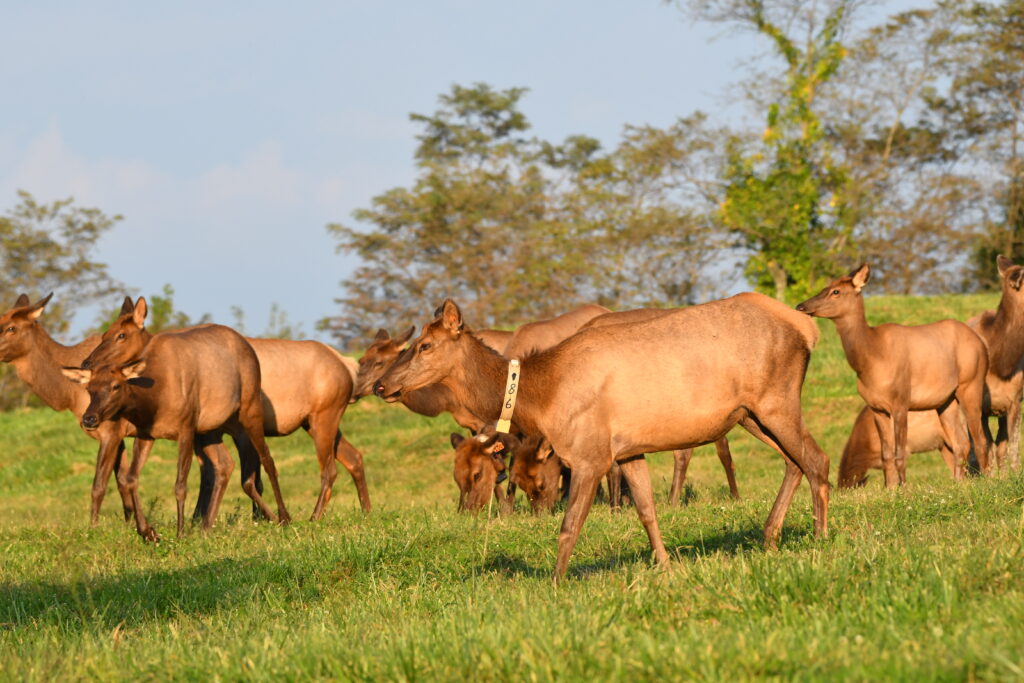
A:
(898, 143)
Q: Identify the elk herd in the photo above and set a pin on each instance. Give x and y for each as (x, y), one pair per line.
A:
(591, 394)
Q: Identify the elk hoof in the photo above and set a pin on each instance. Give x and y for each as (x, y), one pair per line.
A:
(150, 535)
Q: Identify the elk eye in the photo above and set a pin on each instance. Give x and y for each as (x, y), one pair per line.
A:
(11, 328)
(835, 292)
(120, 337)
(116, 387)
(477, 475)
(425, 346)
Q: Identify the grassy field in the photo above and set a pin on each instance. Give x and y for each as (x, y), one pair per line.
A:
(923, 583)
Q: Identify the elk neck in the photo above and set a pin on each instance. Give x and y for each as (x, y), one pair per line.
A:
(1005, 336)
(856, 335)
(478, 383)
(40, 369)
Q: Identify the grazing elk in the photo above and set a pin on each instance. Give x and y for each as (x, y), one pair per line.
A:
(188, 386)
(479, 462)
(863, 449)
(616, 392)
(1003, 334)
(940, 366)
(538, 472)
(304, 384)
(37, 360)
(681, 456)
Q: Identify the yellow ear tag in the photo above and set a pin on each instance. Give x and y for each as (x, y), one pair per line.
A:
(511, 391)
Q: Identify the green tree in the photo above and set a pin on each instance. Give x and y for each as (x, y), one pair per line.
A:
(161, 314)
(784, 193)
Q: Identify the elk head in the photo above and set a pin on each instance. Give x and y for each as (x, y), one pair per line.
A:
(429, 359)
(108, 389)
(125, 338)
(536, 472)
(836, 299)
(17, 326)
(1012, 277)
(378, 358)
(478, 462)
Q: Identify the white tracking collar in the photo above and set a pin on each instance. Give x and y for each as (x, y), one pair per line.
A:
(511, 391)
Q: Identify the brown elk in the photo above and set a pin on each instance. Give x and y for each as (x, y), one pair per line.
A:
(681, 456)
(37, 360)
(538, 472)
(940, 366)
(616, 392)
(1003, 334)
(479, 461)
(863, 449)
(304, 384)
(188, 386)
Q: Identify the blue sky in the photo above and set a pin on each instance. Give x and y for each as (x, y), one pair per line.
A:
(228, 134)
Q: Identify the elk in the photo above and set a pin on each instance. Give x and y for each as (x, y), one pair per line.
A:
(187, 386)
(939, 366)
(537, 471)
(37, 359)
(681, 456)
(479, 461)
(863, 449)
(304, 384)
(1003, 334)
(616, 392)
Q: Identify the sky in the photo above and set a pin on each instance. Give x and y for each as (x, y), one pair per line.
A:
(229, 134)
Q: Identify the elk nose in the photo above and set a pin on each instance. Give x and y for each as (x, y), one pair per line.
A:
(90, 420)
(801, 308)
(378, 389)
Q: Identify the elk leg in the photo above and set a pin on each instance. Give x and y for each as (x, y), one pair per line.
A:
(639, 478)
(900, 448)
(325, 436)
(681, 458)
(614, 487)
(970, 396)
(887, 441)
(352, 460)
(582, 489)
(1013, 430)
(1001, 441)
(254, 430)
(111, 447)
(725, 457)
(207, 479)
(250, 477)
(185, 441)
(218, 460)
(139, 456)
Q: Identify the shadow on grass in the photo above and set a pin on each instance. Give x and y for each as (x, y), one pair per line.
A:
(104, 602)
(727, 542)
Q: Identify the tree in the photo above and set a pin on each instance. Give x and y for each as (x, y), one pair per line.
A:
(161, 314)
(517, 228)
(784, 194)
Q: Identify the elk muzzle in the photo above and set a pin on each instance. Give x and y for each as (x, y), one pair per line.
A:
(90, 421)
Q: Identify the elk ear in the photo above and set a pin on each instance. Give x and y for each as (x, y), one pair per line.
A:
(1017, 278)
(37, 308)
(139, 312)
(128, 306)
(860, 276)
(22, 301)
(544, 450)
(1003, 264)
(77, 375)
(382, 335)
(407, 336)
(451, 317)
(134, 369)
(457, 440)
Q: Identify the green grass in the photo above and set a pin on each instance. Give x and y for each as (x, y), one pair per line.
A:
(923, 583)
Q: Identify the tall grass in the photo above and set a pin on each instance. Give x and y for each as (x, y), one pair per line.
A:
(923, 583)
